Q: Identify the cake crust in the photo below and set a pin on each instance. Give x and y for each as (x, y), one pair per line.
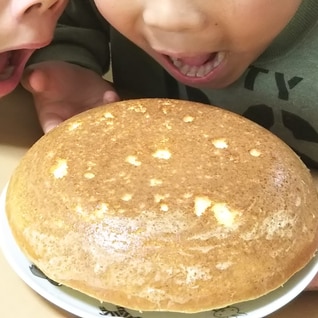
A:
(164, 205)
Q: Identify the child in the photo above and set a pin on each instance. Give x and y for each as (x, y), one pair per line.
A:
(255, 57)
(25, 25)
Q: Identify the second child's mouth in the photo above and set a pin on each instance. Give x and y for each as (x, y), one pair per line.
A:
(12, 60)
(198, 66)
(7, 68)
(12, 64)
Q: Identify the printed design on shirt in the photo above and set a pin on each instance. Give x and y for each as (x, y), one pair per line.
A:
(197, 95)
(284, 86)
(261, 114)
(300, 128)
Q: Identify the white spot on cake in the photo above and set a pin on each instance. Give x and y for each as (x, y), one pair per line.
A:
(251, 235)
(167, 124)
(155, 182)
(79, 210)
(159, 197)
(220, 143)
(101, 210)
(298, 201)
(279, 224)
(98, 213)
(164, 108)
(279, 176)
(223, 266)
(59, 224)
(89, 175)
(201, 204)
(108, 115)
(74, 125)
(164, 207)
(188, 119)
(133, 161)
(91, 164)
(115, 242)
(127, 197)
(223, 214)
(50, 154)
(138, 108)
(60, 169)
(83, 213)
(98, 268)
(194, 273)
(162, 154)
(255, 152)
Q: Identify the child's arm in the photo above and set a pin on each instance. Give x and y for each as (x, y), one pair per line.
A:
(65, 78)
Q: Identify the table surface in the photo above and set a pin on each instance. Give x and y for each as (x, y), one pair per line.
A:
(19, 129)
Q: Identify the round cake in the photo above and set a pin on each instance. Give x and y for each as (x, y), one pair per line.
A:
(164, 205)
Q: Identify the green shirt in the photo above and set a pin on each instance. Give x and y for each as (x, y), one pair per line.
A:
(279, 91)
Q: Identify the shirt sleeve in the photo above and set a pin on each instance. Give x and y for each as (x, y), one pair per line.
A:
(81, 37)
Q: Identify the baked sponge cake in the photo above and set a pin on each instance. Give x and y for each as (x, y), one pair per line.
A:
(164, 205)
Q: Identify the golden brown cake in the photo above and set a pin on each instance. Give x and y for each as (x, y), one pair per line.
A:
(164, 205)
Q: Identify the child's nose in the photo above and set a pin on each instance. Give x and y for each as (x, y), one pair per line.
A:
(28, 7)
(173, 15)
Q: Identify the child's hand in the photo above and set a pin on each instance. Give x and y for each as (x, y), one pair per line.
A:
(61, 90)
(313, 285)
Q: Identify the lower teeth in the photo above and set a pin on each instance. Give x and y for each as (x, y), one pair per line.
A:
(197, 71)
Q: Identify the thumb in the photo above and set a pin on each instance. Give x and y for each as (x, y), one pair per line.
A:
(34, 80)
(110, 97)
(49, 121)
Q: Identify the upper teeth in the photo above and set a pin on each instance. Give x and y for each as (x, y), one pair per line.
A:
(6, 73)
(198, 71)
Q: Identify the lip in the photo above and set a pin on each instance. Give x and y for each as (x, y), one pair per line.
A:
(17, 59)
(212, 76)
(29, 46)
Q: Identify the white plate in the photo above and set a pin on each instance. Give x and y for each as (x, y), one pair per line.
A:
(86, 307)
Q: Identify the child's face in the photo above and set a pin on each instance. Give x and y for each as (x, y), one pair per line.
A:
(25, 25)
(202, 43)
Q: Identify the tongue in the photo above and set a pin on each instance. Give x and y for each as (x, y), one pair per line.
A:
(196, 60)
(4, 60)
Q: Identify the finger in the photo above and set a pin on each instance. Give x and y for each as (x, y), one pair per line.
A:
(49, 121)
(313, 284)
(110, 97)
(34, 80)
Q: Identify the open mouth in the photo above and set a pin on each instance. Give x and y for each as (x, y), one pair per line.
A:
(6, 65)
(10, 61)
(198, 66)
(12, 64)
